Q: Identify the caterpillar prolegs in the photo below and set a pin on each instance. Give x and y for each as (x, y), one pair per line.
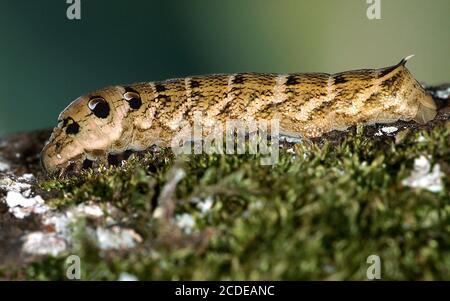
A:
(115, 119)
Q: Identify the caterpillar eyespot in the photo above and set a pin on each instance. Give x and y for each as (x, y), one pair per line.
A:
(130, 95)
(99, 107)
(134, 99)
(72, 127)
(117, 119)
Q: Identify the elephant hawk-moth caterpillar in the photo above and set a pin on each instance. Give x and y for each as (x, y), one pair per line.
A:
(134, 117)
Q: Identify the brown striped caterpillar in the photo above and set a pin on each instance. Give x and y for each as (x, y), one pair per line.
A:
(134, 117)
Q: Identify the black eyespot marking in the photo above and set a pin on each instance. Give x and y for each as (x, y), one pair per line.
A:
(194, 84)
(87, 164)
(291, 80)
(239, 79)
(340, 79)
(72, 127)
(160, 88)
(133, 98)
(99, 107)
(127, 154)
(113, 160)
(135, 103)
(65, 122)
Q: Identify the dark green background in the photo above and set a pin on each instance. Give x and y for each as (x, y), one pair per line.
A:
(46, 60)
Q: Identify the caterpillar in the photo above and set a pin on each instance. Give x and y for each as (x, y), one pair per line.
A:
(116, 119)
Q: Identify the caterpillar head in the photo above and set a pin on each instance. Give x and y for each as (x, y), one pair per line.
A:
(87, 128)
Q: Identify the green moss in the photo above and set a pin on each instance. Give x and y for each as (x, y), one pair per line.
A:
(317, 214)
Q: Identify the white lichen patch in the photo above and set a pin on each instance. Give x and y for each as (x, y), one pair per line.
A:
(424, 176)
(40, 243)
(117, 238)
(58, 236)
(21, 204)
(22, 207)
(54, 240)
(205, 206)
(58, 226)
(389, 129)
(8, 184)
(92, 210)
(379, 133)
(14, 199)
(185, 222)
(59, 222)
(19, 197)
(28, 177)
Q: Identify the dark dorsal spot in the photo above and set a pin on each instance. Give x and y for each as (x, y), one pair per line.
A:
(113, 160)
(194, 84)
(239, 79)
(160, 88)
(87, 164)
(340, 79)
(291, 80)
(99, 106)
(127, 154)
(72, 127)
(133, 98)
(135, 103)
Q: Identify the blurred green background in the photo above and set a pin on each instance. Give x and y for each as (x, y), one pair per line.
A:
(46, 60)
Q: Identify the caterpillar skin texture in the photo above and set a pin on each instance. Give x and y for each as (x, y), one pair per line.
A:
(135, 117)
